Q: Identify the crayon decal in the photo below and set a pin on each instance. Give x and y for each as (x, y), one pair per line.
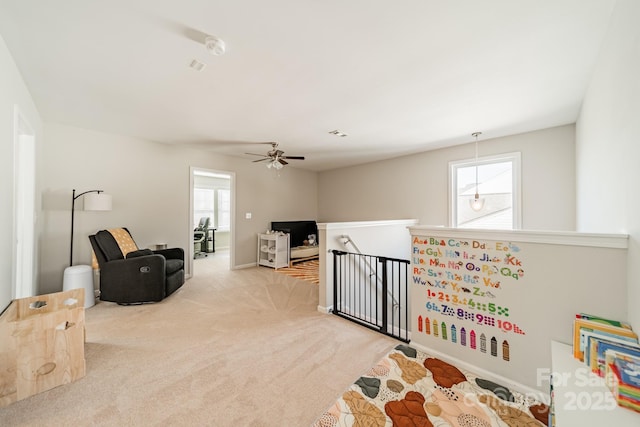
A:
(470, 277)
(505, 350)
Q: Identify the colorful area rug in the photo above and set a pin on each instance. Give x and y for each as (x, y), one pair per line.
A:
(306, 270)
(409, 388)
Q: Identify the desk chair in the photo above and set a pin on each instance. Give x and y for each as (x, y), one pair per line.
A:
(200, 238)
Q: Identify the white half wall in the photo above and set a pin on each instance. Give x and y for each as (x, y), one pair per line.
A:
(515, 290)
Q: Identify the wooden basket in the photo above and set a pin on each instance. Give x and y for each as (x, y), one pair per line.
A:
(41, 344)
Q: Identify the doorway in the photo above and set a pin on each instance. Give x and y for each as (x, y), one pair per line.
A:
(213, 197)
(24, 146)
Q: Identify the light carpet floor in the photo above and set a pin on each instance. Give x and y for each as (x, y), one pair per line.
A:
(230, 348)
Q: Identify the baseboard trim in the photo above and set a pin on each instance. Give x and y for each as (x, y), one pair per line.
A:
(325, 310)
(513, 385)
(240, 267)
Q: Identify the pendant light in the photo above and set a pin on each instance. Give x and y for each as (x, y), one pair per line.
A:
(476, 203)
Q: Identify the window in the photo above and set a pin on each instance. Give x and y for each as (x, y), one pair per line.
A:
(224, 209)
(498, 185)
(214, 203)
(203, 206)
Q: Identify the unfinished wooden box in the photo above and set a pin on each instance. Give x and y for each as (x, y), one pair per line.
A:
(41, 344)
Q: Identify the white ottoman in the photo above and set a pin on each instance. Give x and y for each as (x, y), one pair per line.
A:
(80, 276)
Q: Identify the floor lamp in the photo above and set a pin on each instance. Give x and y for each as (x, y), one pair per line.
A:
(95, 200)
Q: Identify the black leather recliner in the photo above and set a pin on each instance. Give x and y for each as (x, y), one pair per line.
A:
(142, 276)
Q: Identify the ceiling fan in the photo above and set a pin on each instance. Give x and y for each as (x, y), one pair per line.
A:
(275, 157)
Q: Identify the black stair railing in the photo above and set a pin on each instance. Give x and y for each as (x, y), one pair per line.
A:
(372, 291)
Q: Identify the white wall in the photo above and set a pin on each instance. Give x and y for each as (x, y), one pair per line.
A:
(13, 93)
(149, 183)
(416, 186)
(607, 147)
(381, 238)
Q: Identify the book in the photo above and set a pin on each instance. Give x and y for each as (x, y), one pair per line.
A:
(580, 326)
(629, 371)
(598, 345)
(631, 404)
(611, 322)
(590, 337)
(626, 395)
(551, 421)
(613, 352)
(612, 374)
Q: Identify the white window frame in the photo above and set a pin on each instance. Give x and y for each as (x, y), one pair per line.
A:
(218, 210)
(516, 180)
(215, 210)
(199, 213)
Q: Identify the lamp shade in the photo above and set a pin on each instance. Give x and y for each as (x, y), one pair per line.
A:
(97, 202)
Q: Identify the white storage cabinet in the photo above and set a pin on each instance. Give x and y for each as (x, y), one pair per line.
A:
(273, 250)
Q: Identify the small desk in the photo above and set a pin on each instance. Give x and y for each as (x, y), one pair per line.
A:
(210, 237)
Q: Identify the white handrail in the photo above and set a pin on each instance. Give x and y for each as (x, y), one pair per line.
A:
(346, 239)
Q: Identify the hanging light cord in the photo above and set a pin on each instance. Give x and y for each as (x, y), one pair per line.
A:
(475, 134)
(476, 166)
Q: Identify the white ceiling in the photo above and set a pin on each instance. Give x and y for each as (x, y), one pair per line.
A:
(397, 76)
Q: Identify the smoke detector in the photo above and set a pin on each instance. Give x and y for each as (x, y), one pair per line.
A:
(214, 45)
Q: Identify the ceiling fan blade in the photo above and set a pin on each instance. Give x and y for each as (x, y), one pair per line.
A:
(275, 156)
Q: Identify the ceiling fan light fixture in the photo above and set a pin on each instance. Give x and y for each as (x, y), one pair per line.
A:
(275, 158)
(275, 164)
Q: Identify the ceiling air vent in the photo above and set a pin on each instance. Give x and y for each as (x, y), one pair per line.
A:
(337, 133)
(197, 65)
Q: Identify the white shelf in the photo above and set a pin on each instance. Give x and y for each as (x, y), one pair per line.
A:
(580, 397)
(273, 250)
